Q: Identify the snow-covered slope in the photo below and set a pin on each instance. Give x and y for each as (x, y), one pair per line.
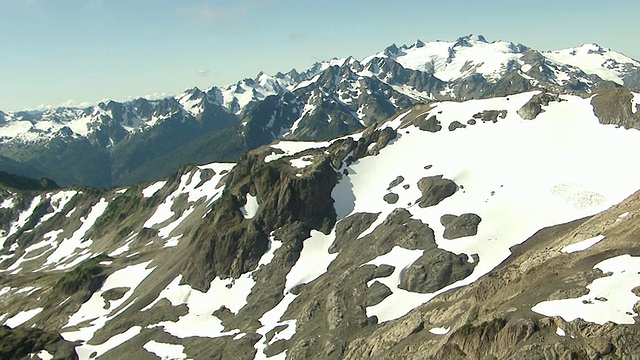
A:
(335, 242)
(593, 59)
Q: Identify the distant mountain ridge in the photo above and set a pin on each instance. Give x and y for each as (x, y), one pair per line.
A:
(115, 143)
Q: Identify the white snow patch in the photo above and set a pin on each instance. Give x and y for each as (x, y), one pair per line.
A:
(286, 333)
(93, 310)
(22, 317)
(22, 219)
(200, 320)
(635, 103)
(440, 330)
(174, 241)
(610, 298)
(68, 247)
(124, 248)
(560, 332)
(152, 189)
(290, 148)
(583, 245)
(85, 351)
(250, 208)
(58, 201)
(165, 351)
(44, 355)
(313, 261)
(7, 203)
(166, 231)
(400, 259)
(301, 163)
(268, 256)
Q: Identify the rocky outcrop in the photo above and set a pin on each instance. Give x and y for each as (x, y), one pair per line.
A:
(435, 189)
(434, 270)
(490, 115)
(460, 226)
(533, 107)
(19, 343)
(229, 245)
(615, 107)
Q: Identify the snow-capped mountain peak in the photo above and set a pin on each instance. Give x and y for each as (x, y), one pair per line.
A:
(594, 59)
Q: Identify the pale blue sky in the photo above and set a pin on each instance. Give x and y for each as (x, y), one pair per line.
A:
(83, 51)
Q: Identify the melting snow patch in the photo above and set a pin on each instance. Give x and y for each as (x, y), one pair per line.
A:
(622, 216)
(583, 245)
(293, 147)
(124, 248)
(398, 303)
(22, 219)
(22, 317)
(286, 333)
(440, 331)
(610, 298)
(152, 189)
(635, 102)
(93, 310)
(268, 256)
(314, 260)
(68, 247)
(86, 351)
(301, 163)
(250, 209)
(7, 203)
(200, 320)
(560, 332)
(165, 351)
(165, 232)
(44, 355)
(174, 241)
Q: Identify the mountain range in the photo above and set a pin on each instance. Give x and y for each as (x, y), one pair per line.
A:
(114, 143)
(460, 211)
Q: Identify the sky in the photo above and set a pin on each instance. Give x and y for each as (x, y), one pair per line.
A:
(80, 52)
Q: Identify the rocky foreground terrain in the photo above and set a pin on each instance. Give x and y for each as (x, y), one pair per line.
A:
(484, 229)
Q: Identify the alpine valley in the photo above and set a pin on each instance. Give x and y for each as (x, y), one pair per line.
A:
(443, 200)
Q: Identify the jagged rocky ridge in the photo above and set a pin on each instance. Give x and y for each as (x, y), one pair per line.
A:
(297, 251)
(141, 140)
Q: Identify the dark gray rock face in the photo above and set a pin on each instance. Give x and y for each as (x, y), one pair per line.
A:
(460, 226)
(614, 107)
(435, 189)
(397, 181)
(434, 270)
(377, 292)
(391, 198)
(491, 115)
(432, 124)
(533, 107)
(456, 125)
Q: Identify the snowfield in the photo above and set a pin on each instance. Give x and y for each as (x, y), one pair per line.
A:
(610, 298)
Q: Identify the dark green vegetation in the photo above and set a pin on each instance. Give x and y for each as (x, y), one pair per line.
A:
(24, 183)
(86, 278)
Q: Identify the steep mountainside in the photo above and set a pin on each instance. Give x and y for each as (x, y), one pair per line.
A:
(122, 143)
(488, 228)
